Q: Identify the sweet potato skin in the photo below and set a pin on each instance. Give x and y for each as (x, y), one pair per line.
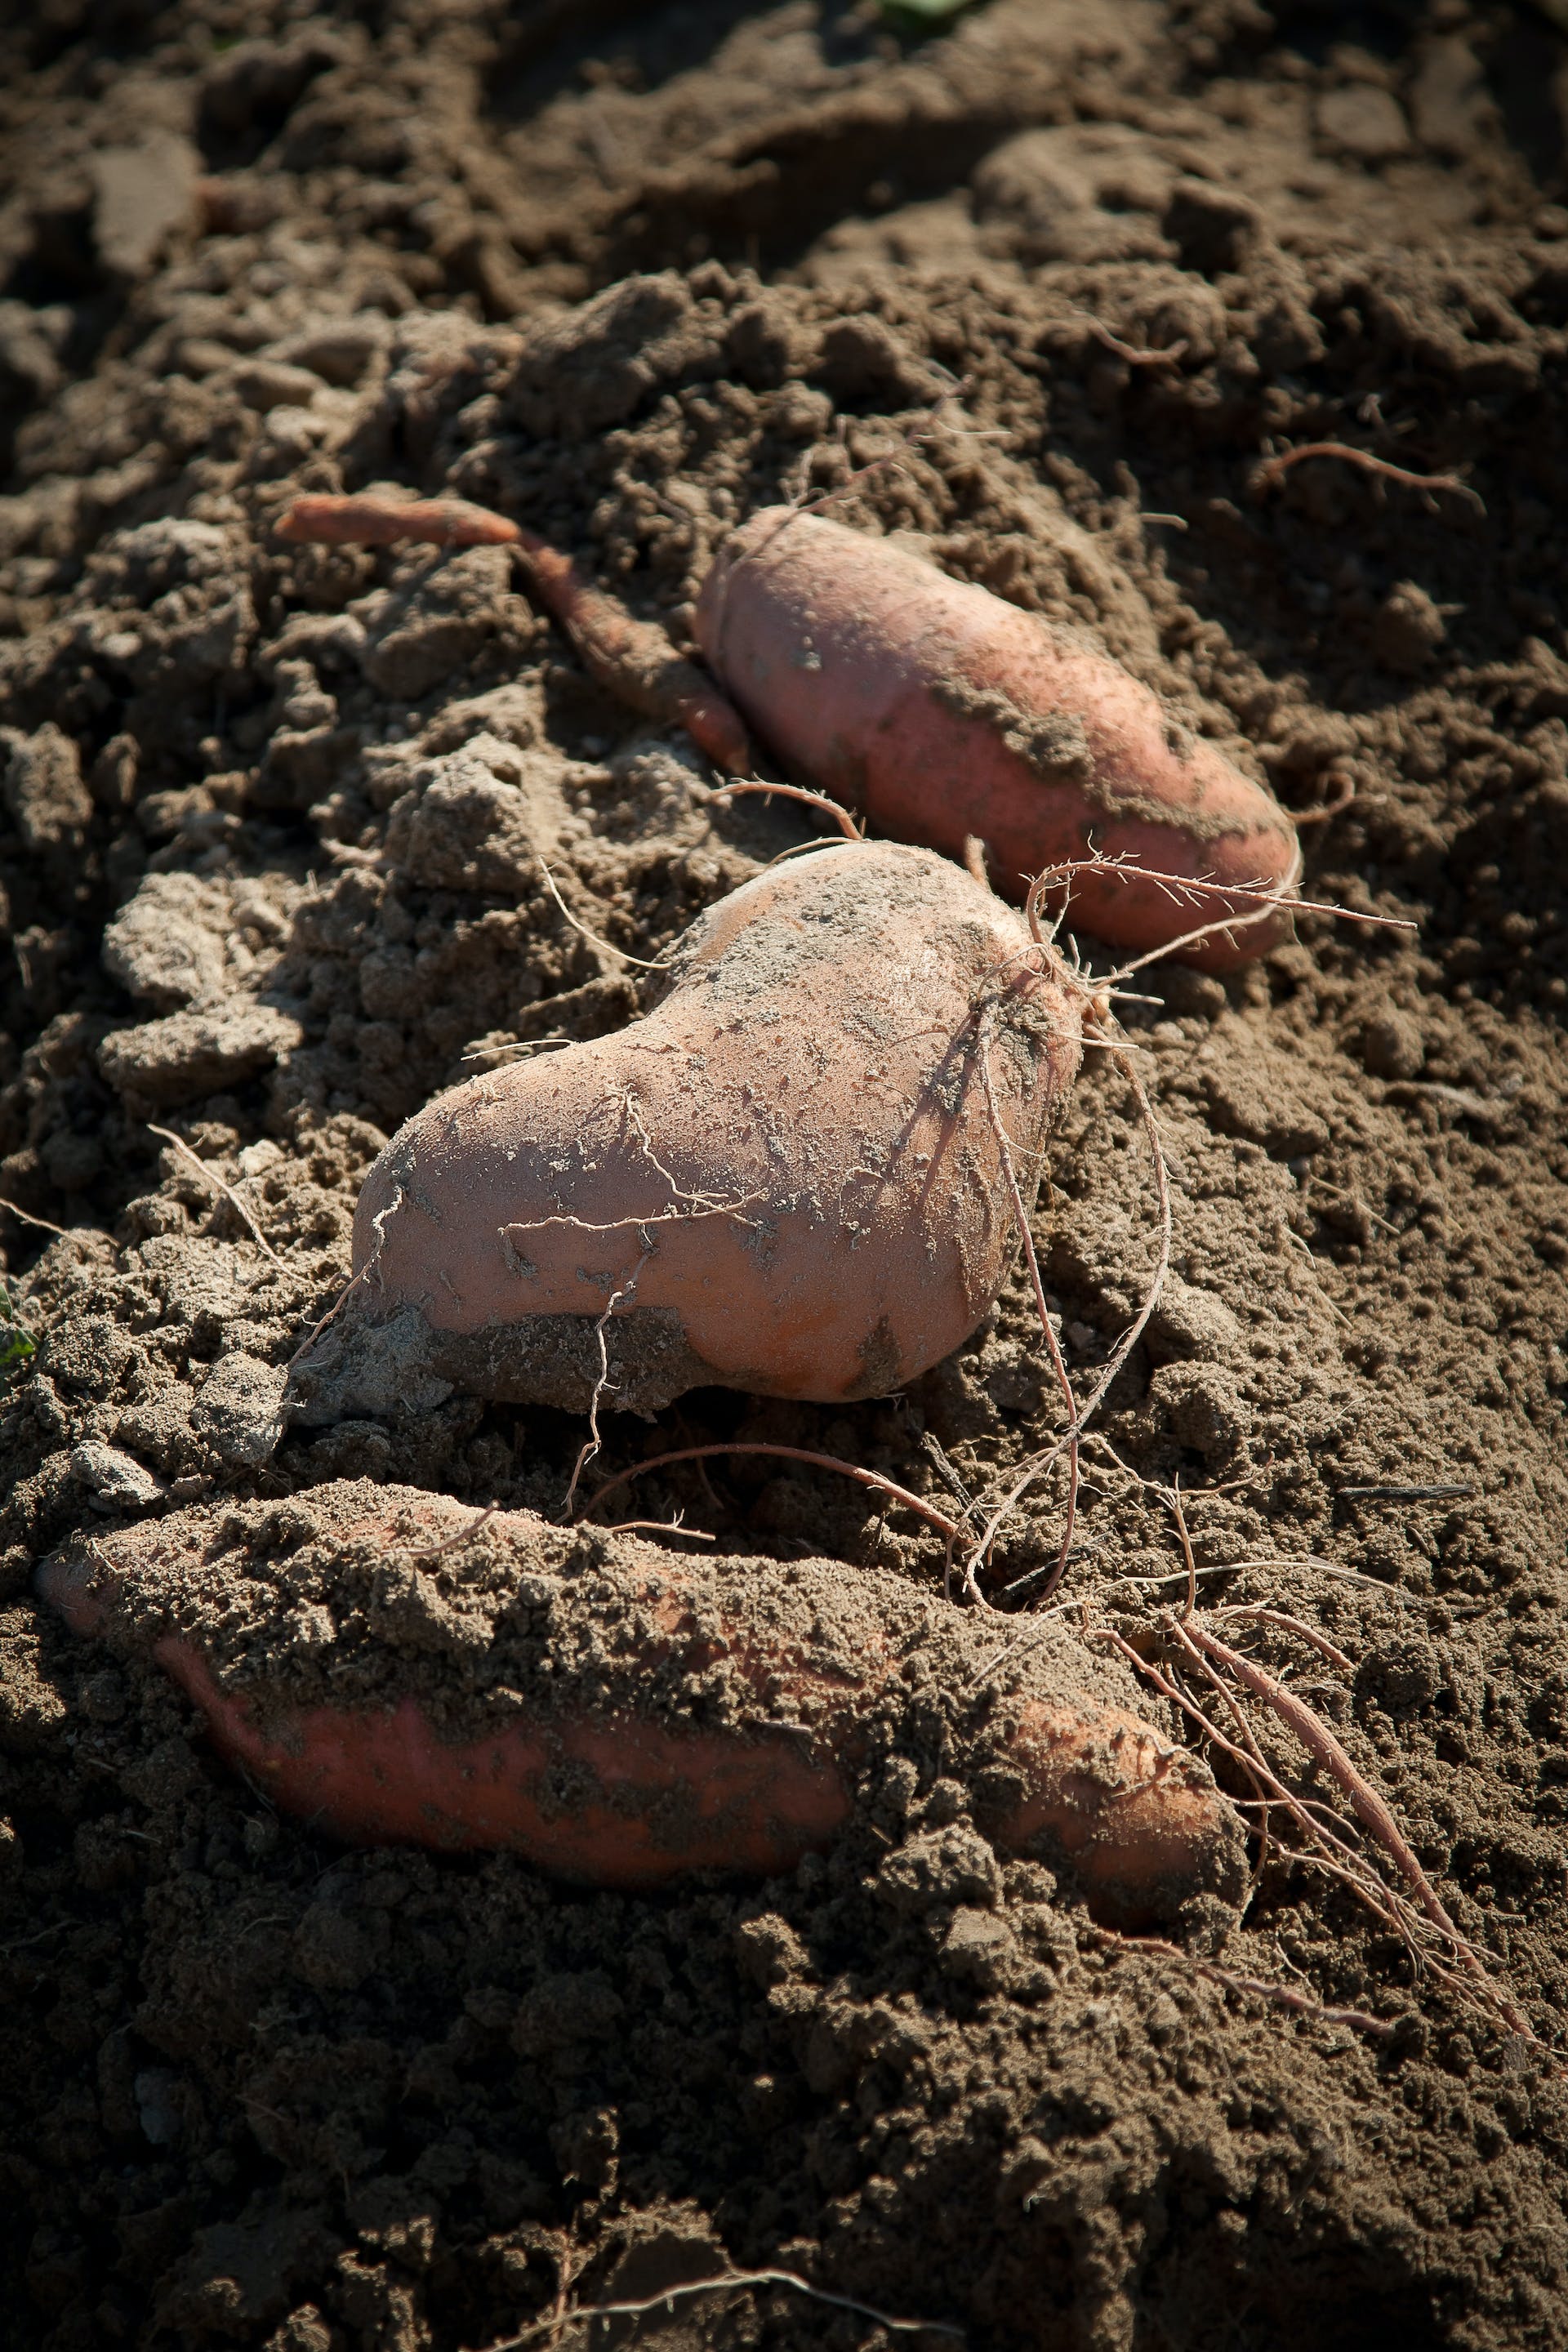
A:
(754, 1801)
(382, 1777)
(616, 1794)
(789, 1164)
(643, 1802)
(941, 711)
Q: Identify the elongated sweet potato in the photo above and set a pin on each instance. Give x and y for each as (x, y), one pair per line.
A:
(941, 711)
(784, 1179)
(944, 712)
(616, 1715)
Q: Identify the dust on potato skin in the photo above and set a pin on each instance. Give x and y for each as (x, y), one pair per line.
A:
(792, 1155)
(361, 1597)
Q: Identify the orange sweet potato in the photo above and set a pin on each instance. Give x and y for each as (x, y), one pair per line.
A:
(941, 712)
(785, 1178)
(636, 1728)
(945, 713)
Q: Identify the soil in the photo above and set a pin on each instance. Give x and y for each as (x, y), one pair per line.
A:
(272, 819)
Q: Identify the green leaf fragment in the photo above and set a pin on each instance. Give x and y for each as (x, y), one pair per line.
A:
(928, 10)
(16, 1343)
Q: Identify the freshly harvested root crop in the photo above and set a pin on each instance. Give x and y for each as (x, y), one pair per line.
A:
(786, 1179)
(941, 712)
(944, 714)
(381, 1664)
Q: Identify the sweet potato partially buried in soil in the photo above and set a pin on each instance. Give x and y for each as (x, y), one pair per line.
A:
(620, 1717)
(941, 712)
(786, 1179)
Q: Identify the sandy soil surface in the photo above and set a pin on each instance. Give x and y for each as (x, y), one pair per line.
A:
(269, 877)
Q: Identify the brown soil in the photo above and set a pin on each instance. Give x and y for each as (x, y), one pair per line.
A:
(271, 818)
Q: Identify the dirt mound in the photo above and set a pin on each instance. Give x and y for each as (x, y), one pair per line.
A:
(270, 848)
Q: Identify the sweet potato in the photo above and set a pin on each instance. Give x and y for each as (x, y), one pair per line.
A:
(615, 1716)
(784, 1179)
(943, 712)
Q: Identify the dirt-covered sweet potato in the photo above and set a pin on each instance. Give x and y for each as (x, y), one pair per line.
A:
(943, 712)
(378, 1666)
(786, 1178)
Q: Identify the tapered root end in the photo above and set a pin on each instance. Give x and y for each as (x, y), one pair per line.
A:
(1140, 1822)
(322, 520)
